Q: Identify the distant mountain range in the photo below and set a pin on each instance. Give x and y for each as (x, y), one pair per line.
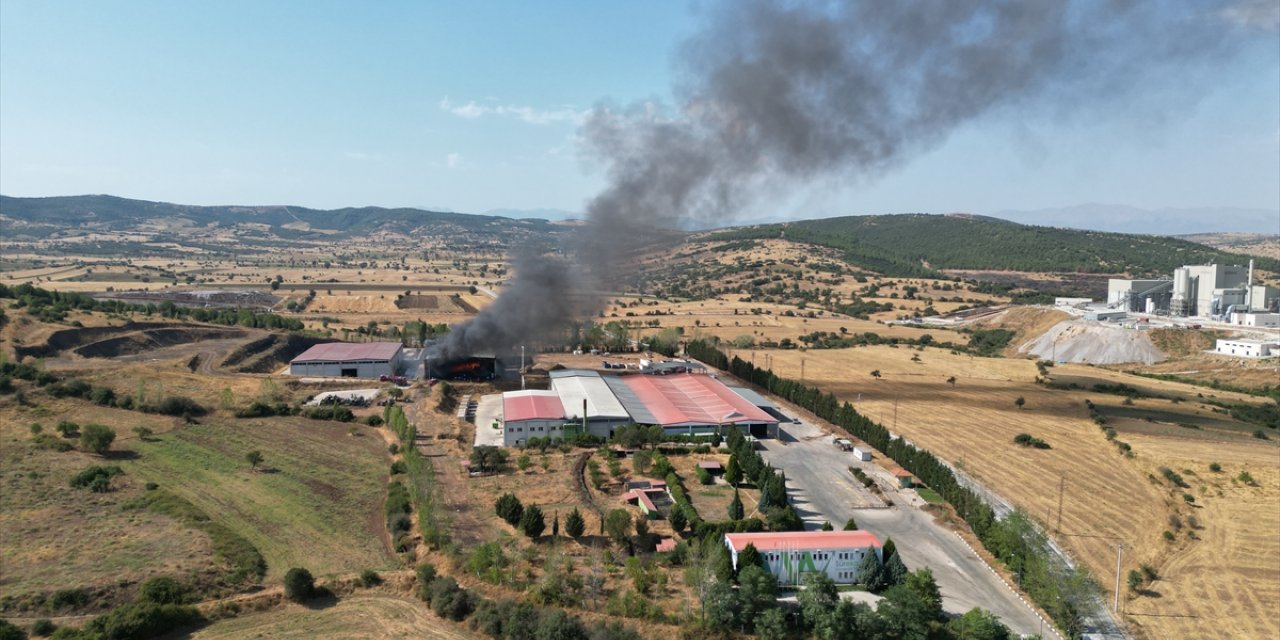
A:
(1168, 221)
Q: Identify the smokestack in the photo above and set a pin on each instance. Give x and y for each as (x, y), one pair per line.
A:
(775, 96)
(1248, 288)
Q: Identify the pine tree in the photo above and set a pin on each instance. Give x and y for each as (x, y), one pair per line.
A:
(894, 571)
(509, 508)
(826, 526)
(574, 524)
(850, 525)
(735, 508)
(555, 525)
(733, 471)
(871, 573)
(677, 519)
(750, 557)
(532, 522)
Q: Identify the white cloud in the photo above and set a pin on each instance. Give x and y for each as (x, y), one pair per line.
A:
(453, 160)
(472, 110)
(1258, 14)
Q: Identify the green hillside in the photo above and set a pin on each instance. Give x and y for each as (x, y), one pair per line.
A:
(919, 244)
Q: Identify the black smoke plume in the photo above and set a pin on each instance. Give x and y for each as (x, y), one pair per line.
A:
(774, 96)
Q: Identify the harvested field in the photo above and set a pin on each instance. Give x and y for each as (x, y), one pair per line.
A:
(972, 423)
(1228, 580)
(418, 301)
(374, 616)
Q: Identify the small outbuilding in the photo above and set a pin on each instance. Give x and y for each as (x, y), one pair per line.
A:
(712, 466)
(862, 453)
(1247, 348)
(905, 479)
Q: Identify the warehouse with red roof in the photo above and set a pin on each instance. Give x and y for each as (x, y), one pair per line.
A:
(350, 360)
(682, 404)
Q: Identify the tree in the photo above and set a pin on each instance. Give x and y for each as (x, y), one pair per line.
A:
(733, 471)
(97, 438)
(871, 573)
(773, 625)
(951, 381)
(618, 525)
(574, 525)
(757, 593)
(1020, 402)
(819, 597)
(826, 526)
(254, 458)
(850, 525)
(36, 428)
(720, 605)
(508, 508)
(750, 557)
(523, 462)
(555, 624)
(67, 428)
(1135, 580)
(875, 373)
(677, 519)
(143, 433)
(977, 624)
(735, 507)
(299, 585)
(555, 525)
(532, 522)
(894, 571)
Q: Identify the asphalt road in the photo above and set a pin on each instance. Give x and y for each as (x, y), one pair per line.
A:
(822, 489)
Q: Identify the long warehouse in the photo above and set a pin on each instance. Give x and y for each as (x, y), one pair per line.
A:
(682, 404)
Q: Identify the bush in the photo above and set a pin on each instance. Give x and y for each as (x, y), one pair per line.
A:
(1168, 536)
(43, 627)
(105, 396)
(299, 585)
(425, 574)
(398, 467)
(373, 421)
(450, 601)
(1027, 440)
(508, 508)
(95, 478)
(180, 406)
(370, 578)
(162, 590)
(97, 438)
(10, 631)
(1215, 467)
(66, 598)
(329, 412)
(143, 620)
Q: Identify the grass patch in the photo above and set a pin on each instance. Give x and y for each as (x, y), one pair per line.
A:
(244, 559)
(929, 495)
(315, 501)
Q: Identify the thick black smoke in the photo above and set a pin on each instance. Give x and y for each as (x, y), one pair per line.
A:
(778, 95)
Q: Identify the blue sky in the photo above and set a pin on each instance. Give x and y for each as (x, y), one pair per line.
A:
(472, 106)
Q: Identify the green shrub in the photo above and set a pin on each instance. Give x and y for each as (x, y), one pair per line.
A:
(95, 478)
(299, 584)
(43, 627)
(162, 590)
(180, 406)
(370, 578)
(68, 598)
(143, 620)
(97, 438)
(10, 631)
(398, 467)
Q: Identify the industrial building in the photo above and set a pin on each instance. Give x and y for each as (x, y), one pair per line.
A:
(1247, 348)
(587, 401)
(350, 360)
(789, 555)
(1258, 320)
(1211, 290)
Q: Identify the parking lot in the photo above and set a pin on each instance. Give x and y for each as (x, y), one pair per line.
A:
(823, 490)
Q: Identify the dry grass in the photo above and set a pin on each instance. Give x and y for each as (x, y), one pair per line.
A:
(372, 616)
(972, 425)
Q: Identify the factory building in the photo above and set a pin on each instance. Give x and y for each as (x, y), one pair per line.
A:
(589, 401)
(681, 403)
(791, 554)
(1259, 320)
(531, 414)
(350, 360)
(1210, 290)
(1247, 348)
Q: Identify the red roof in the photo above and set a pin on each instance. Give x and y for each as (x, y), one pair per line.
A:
(693, 398)
(641, 496)
(667, 544)
(531, 405)
(710, 464)
(349, 351)
(901, 473)
(802, 540)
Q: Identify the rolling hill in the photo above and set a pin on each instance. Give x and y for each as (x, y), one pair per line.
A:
(923, 244)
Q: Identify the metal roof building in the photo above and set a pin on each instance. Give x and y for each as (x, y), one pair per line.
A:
(585, 392)
(530, 414)
(349, 360)
(696, 404)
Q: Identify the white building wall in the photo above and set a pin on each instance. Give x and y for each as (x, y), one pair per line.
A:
(516, 433)
(1246, 348)
(789, 566)
(363, 368)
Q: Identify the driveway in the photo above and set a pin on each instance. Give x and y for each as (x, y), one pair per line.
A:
(823, 490)
(489, 412)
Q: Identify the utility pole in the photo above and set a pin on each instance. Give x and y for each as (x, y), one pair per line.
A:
(1062, 488)
(1120, 546)
(801, 370)
(895, 414)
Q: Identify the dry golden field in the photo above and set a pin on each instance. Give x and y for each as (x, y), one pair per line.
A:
(375, 616)
(1106, 498)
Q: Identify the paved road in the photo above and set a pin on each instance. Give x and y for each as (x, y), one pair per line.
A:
(822, 489)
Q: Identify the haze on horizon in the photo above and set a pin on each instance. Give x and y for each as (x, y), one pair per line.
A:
(475, 107)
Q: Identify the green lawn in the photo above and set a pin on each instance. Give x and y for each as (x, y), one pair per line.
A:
(930, 495)
(314, 502)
